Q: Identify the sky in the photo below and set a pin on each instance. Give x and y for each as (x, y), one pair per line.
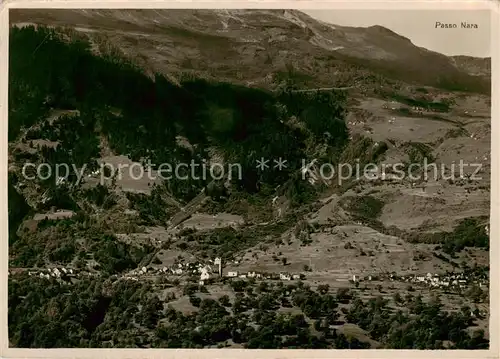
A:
(419, 27)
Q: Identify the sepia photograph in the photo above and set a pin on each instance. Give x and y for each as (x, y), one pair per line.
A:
(249, 178)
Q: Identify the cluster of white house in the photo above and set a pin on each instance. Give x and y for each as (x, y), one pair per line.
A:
(436, 281)
(178, 269)
(57, 273)
(354, 123)
(456, 280)
(53, 272)
(280, 276)
(60, 180)
(206, 272)
(93, 173)
(417, 109)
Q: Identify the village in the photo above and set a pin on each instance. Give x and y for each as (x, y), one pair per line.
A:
(449, 280)
(206, 273)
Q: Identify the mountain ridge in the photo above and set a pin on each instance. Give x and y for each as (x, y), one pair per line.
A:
(266, 40)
